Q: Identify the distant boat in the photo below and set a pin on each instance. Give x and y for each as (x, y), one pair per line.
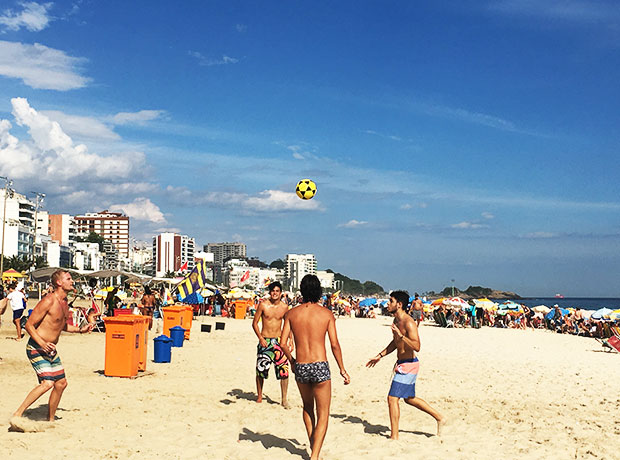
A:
(559, 296)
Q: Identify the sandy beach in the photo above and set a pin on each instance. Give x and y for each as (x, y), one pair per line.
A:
(508, 394)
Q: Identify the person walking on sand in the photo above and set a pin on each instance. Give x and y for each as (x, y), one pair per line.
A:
(406, 341)
(47, 320)
(309, 323)
(417, 308)
(269, 350)
(17, 299)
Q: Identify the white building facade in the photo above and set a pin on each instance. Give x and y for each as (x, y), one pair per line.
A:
(171, 251)
(296, 266)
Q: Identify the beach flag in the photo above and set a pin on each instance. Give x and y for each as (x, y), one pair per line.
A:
(195, 281)
(245, 276)
(183, 267)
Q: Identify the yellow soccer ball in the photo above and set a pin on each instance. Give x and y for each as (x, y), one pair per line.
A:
(306, 189)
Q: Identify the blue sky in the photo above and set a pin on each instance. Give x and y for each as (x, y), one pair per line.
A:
(474, 141)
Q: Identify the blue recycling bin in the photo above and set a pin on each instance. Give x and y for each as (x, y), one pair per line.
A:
(162, 349)
(177, 334)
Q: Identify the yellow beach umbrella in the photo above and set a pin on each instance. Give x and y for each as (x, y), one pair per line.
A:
(10, 273)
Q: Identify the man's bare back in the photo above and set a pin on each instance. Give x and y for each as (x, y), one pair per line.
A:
(309, 323)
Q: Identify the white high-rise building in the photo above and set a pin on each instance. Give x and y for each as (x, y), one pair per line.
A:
(171, 251)
(223, 251)
(19, 226)
(296, 266)
(113, 226)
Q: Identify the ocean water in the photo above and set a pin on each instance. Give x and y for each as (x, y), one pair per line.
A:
(585, 303)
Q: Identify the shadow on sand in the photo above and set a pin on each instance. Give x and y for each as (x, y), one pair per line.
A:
(250, 396)
(269, 440)
(375, 429)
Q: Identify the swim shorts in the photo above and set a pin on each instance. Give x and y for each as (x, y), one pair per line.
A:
(47, 366)
(312, 372)
(272, 353)
(405, 375)
(416, 314)
(17, 314)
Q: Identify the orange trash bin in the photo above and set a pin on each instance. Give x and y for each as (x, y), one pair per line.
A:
(173, 316)
(122, 346)
(143, 328)
(188, 316)
(240, 309)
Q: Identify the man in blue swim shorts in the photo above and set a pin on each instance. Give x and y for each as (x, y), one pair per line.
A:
(406, 341)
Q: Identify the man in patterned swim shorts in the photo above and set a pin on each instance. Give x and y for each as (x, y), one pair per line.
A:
(406, 341)
(269, 351)
(47, 320)
(309, 323)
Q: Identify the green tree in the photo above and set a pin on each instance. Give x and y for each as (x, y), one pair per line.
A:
(278, 263)
(169, 274)
(20, 264)
(92, 238)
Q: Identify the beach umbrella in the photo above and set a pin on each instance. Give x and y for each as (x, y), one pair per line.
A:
(614, 315)
(541, 309)
(193, 299)
(600, 313)
(551, 314)
(485, 304)
(438, 301)
(368, 302)
(456, 302)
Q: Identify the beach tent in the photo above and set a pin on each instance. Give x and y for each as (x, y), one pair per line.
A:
(368, 302)
(599, 314)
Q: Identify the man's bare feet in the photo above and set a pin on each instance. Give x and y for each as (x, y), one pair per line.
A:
(441, 423)
(286, 405)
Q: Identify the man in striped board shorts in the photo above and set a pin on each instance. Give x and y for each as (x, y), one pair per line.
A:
(406, 342)
(47, 320)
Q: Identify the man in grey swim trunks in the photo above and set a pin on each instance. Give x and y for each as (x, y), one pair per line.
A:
(416, 309)
(309, 322)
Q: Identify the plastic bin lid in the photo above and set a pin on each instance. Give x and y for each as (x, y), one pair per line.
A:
(176, 328)
(162, 338)
(123, 319)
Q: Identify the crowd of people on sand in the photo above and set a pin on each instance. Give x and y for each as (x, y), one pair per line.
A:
(557, 319)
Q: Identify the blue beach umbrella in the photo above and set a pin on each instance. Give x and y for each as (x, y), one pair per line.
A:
(193, 299)
(550, 315)
(368, 302)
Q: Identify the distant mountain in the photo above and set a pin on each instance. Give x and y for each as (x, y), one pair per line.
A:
(355, 287)
(475, 292)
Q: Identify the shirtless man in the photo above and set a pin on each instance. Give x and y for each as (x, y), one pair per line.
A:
(148, 305)
(309, 323)
(269, 350)
(47, 320)
(406, 341)
(416, 309)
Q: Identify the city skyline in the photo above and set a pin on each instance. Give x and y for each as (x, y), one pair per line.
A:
(474, 141)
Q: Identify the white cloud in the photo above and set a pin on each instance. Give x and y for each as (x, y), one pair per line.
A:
(265, 201)
(353, 224)
(576, 11)
(408, 206)
(205, 61)
(468, 225)
(241, 28)
(277, 200)
(540, 235)
(141, 209)
(33, 17)
(66, 171)
(385, 136)
(141, 117)
(80, 126)
(41, 67)
(487, 215)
